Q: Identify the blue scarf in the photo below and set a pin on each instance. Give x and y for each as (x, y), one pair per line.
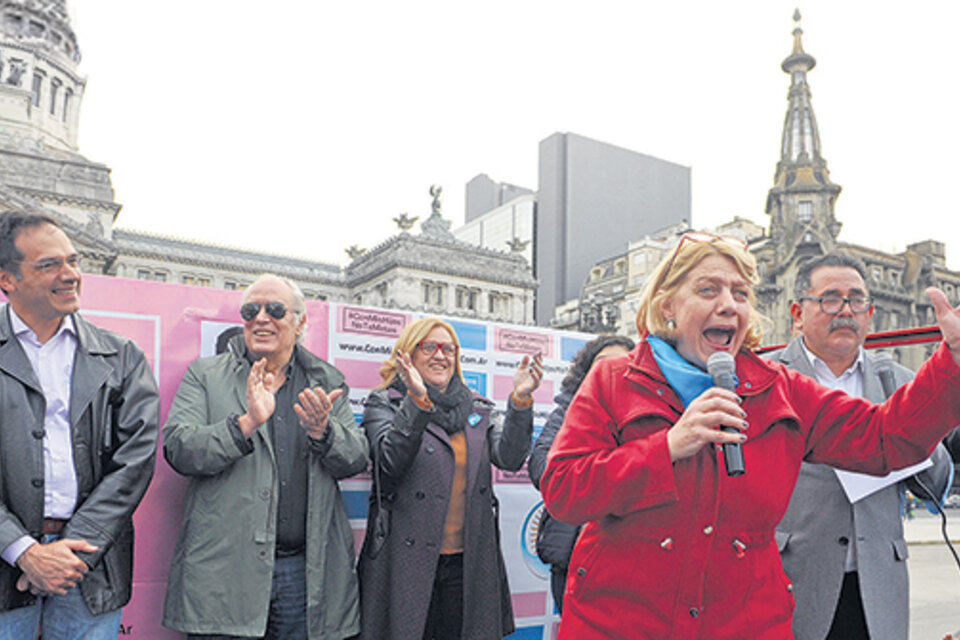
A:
(686, 379)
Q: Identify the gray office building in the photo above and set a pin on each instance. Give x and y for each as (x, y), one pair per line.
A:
(593, 199)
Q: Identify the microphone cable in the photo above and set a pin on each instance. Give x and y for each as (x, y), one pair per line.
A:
(943, 518)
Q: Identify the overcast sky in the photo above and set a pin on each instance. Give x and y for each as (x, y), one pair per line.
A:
(303, 126)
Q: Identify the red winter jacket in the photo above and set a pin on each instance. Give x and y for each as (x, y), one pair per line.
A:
(682, 550)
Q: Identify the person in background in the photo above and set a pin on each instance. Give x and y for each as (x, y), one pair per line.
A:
(847, 560)
(674, 546)
(263, 432)
(79, 420)
(431, 565)
(555, 539)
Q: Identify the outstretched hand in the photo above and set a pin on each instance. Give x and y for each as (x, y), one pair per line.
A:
(948, 319)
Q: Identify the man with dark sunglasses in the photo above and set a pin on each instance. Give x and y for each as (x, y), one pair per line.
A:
(847, 560)
(263, 431)
(79, 420)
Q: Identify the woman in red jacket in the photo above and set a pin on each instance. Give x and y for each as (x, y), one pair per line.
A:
(673, 546)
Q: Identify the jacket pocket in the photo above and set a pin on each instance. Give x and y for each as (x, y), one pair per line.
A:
(900, 551)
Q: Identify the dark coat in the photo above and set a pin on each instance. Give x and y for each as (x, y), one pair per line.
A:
(114, 418)
(555, 539)
(414, 463)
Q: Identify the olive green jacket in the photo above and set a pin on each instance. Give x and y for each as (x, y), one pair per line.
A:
(223, 561)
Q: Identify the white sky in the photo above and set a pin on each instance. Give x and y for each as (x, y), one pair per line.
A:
(303, 127)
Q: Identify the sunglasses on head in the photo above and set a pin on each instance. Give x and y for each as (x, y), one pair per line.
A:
(430, 348)
(697, 237)
(249, 310)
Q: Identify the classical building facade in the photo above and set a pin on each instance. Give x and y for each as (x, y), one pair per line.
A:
(42, 169)
(803, 224)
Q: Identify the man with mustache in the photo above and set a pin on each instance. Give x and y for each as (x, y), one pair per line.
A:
(847, 561)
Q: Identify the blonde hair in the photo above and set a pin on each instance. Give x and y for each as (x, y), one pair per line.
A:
(409, 338)
(670, 274)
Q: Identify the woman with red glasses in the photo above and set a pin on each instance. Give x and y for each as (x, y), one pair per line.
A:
(677, 545)
(431, 565)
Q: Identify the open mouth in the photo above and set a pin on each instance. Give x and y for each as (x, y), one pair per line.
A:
(719, 337)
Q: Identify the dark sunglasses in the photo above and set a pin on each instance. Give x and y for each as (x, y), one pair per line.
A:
(430, 348)
(249, 310)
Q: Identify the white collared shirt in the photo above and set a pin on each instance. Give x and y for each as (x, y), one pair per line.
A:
(850, 381)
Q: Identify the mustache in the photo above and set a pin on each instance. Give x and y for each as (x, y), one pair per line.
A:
(843, 323)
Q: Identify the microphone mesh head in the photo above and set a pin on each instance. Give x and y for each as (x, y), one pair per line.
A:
(882, 360)
(721, 362)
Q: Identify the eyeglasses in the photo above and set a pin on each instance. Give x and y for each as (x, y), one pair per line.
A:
(702, 238)
(250, 310)
(833, 304)
(50, 266)
(430, 348)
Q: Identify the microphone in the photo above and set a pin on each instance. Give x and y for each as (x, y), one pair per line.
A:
(721, 366)
(883, 362)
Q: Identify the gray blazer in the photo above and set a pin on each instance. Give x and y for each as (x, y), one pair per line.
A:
(820, 523)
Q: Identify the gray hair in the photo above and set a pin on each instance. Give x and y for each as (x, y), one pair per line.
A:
(299, 306)
(832, 259)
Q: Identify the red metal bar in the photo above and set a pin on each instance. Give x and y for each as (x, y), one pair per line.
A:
(887, 339)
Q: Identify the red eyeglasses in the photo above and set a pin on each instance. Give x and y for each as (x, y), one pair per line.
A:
(429, 347)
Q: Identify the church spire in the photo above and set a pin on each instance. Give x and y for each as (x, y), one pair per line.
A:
(801, 139)
(801, 202)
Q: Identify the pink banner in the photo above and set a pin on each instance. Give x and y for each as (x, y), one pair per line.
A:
(175, 324)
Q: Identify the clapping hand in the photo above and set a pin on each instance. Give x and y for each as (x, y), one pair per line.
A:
(261, 402)
(314, 409)
(409, 375)
(528, 376)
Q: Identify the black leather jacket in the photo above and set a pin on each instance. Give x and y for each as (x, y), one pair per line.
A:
(115, 416)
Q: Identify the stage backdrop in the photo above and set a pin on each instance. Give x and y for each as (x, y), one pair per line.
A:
(175, 324)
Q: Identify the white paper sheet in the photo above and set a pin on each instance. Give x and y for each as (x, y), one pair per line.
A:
(860, 485)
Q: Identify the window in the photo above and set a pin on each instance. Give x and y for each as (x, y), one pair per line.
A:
(466, 298)
(230, 285)
(37, 81)
(67, 99)
(188, 280)
(433, 293)
(13, 21)
(54, 87)
(498, 304)
(147, 274)
(35, 29)
(203, 282)
(805, 211)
